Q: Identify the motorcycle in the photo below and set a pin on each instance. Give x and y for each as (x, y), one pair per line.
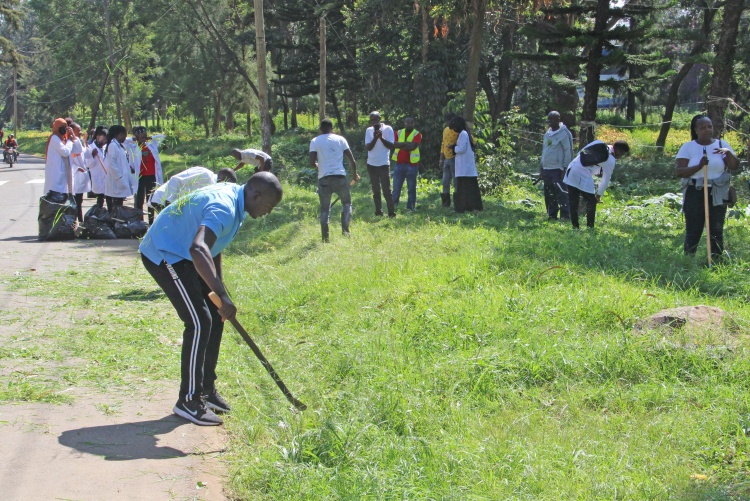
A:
(11, 156)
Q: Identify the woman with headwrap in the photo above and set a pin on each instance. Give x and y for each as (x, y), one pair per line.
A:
(117, 187)
(58, 174)
(466, 195)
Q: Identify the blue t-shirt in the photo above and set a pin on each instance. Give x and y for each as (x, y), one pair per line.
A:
(220, 208)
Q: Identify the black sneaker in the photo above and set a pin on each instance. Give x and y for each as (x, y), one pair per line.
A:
(196, 412)
(216, 402)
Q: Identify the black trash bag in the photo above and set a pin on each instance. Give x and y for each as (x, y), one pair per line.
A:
(131, 229)
(98, 224)
(56, 219)
(101, 232)
(126, 213)
(97, 215)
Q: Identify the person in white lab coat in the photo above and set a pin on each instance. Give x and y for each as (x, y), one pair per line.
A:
(119, 184)
(94, 158)
(58, 175)
(81, 179)
(145, 161)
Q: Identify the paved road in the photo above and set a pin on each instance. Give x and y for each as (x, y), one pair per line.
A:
(20, 251)
(76, 451)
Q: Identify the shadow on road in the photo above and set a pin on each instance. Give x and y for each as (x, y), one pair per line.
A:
(125, 441)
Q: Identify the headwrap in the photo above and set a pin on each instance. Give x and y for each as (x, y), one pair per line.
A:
(59, 122)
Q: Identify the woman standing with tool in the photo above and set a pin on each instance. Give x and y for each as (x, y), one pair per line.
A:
(704, 165)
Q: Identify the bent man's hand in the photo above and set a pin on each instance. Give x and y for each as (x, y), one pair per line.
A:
(227, 310)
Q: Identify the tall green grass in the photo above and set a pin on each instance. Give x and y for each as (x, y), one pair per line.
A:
(442, 356)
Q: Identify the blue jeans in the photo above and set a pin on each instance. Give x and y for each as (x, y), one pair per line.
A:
(449, 174)
(408, 172)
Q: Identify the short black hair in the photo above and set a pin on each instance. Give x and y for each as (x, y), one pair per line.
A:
(267, 185)
(139, 129)
(268, 165)
(226, 175)
(622, 146)
(326, 124)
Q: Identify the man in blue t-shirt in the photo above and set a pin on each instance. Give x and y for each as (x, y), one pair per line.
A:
(182, 251)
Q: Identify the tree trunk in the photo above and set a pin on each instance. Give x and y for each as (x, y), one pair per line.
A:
(260, 51)
(294, 113)
(249, 122)
(475, 55)
(204, 119)
(112, 64)
(98, 102)
(593, 70)
(216, 125)
(723, 62)
(671, 101)
(337, 113)
(229, 122)
(322, 92)
(285, 109)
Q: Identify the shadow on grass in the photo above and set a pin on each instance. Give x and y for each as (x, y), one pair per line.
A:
(125, 441)
(138, 295)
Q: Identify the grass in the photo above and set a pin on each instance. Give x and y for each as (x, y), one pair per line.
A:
(487, 356)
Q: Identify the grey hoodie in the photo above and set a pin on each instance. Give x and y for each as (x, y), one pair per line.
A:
(557, 151)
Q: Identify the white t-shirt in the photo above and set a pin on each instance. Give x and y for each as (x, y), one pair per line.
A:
(183, 183)
(330, 149)
(379, 155)
(248, 156)
(582, 177)
(693, 152)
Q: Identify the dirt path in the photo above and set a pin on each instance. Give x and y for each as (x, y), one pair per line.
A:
(102, 446)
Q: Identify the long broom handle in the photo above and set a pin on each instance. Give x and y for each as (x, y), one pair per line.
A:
(266, 364)
(102, 164)
(705, 210)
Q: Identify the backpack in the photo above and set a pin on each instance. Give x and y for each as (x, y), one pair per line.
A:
(594, 154)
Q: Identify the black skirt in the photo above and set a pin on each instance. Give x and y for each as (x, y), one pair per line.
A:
(466, 196)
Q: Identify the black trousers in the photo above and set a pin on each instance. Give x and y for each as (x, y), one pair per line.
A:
(695, 221)
(79, 208)
(574, 200)
(113, 202)
(380, 177)
(555, 198)
(201, 338)
(146, 184)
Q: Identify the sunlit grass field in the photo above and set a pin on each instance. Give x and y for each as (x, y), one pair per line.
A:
(488, 356)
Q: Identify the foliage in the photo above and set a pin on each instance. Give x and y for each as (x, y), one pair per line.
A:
(441, 355)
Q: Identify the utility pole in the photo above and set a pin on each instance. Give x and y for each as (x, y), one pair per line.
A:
(260, 52)
(15, 101)
(322, 113)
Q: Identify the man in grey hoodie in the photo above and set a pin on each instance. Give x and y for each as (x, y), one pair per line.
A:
(557, 153)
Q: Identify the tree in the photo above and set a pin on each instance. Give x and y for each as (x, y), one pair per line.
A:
(723, 63)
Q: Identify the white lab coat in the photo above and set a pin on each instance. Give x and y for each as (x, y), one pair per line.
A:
(81, 180)
(55, 175)
(119, 183)
(96, 167)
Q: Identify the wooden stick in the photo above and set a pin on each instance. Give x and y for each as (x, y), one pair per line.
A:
(102, 164)
(705, 210)
(266, 364)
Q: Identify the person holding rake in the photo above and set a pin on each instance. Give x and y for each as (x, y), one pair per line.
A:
(704, 165)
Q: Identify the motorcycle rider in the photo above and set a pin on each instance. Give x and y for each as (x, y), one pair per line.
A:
(7, 145)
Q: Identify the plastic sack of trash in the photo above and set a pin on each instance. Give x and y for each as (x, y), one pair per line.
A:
(57, 214)
(128, 222)
(98, 224)
(130, 229)
(126, 213)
